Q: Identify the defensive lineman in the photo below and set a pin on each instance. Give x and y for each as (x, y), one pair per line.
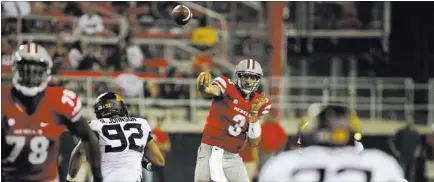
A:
(123, 141)
(331, 155)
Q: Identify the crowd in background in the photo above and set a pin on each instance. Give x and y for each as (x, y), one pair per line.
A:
(126, 21)
(125, 57)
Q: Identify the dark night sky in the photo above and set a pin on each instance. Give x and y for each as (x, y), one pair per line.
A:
(412, 40)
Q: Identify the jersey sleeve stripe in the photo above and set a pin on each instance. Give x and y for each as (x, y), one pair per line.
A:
(266, 109)
(265, 112)
(77, 107)
(222, 90)
(220, 85)
(222, 82)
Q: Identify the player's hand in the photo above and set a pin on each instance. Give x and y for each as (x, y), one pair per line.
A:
(258, 103)
(203, 81)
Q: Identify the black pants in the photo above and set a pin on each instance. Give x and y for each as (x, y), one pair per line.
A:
(160, 175)
(408, 166)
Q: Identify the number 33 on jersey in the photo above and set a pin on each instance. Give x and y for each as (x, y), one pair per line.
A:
(228, 118)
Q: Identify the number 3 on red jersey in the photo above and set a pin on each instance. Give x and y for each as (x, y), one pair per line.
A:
(236, 129)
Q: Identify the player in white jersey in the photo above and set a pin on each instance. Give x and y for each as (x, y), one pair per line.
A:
(123, 140)
(330, 155)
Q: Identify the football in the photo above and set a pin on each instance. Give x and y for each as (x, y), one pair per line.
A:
(181, 14)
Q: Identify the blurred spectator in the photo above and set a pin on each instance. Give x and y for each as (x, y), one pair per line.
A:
(37, 25)
(118, 58)
(325, 15)
(57, 5)
(80, 56)
(72, 9)
(251, 159)
(174, 90)
(129, 84)
(15, 8)
(58, 54)
(90, 23)
(406, 145)
(134, 54)
(10, 11)
(348, 16)
(204, 37)
(257, 47)
(163, 141)
(77, 53)
(124, 29)
(377, 15)
(273, 139)
(152, 89)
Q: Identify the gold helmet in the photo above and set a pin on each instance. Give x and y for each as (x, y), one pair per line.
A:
(329, 125)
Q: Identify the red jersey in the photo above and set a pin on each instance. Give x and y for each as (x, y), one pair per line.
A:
(228, 119)
(273, 137)
(160, 137)
(33, 139)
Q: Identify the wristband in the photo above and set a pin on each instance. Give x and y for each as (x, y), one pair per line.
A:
(254, 130)
(150, 167)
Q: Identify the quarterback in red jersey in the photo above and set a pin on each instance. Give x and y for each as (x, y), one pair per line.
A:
(33, 118)
(234, 117)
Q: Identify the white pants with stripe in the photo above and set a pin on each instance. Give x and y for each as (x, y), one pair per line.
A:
(214, 164)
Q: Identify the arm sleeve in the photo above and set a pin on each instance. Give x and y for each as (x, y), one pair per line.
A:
(221, 83)
(69, 104)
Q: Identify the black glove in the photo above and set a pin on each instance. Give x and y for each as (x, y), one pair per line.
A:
(146, 164)
(149, 166)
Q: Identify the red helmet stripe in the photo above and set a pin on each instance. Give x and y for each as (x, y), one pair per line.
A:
(253, 67)
(248, 63)
(36, 50)
(28, 47)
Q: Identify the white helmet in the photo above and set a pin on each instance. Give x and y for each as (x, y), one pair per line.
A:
(31, 69)
(248, 67)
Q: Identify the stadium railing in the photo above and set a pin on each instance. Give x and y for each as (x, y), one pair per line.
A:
(386, 99)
